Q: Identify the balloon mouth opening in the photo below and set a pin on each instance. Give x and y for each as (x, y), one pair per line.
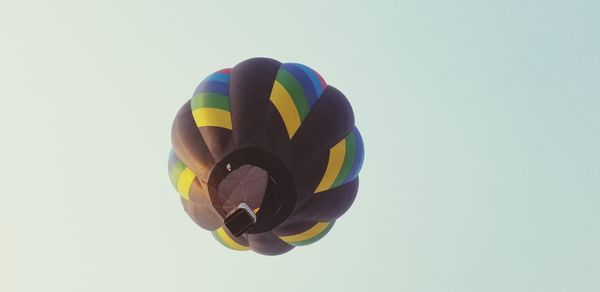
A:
(253, 211)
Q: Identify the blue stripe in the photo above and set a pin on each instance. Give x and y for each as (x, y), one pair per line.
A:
(219, 77)
(173, 159)
(214, 87)
(313, 78)
(360, 155)
(304, 80)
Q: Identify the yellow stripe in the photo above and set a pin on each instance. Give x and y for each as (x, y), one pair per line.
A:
(212, 117)
(308, 234)
(286, 107)
(336, 160)
(184, 183)
(229, 241)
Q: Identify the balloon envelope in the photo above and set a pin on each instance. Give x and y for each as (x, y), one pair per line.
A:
(266, 156)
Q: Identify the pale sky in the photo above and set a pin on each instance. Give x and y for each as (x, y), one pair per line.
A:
(480, 122)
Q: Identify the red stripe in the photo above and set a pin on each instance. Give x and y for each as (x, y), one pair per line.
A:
(226, 70)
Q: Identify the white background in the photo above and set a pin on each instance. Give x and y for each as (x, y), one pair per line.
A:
(480, 119)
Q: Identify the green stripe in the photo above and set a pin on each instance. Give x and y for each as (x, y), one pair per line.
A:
(314, 238)
(222, 241)
(348, 160)
(219, 239)
(210, 100)
(296, 91)
(176, 172)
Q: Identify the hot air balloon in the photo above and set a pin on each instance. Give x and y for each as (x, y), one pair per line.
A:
(266, 156)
